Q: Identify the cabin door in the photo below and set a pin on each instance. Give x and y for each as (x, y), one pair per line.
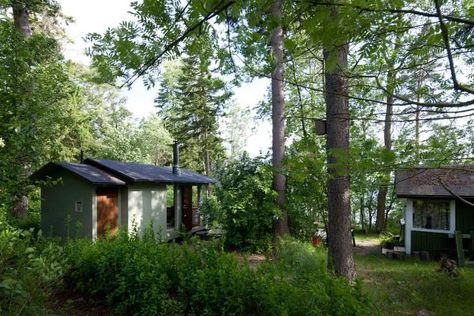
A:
(107, 211)
(187, 206)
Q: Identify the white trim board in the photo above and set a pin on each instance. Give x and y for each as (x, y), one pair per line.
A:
(94, 215)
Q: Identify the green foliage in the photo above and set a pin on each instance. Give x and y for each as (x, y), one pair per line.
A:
(211, 211)
(139, 277)
(30, 268)
(246, 199)
(190, 101)
(36, 121)
(299, 274)
(389, 240)
(306, 188)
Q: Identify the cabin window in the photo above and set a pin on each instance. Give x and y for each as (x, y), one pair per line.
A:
(78, 206)
(170, 210)
(431, 214)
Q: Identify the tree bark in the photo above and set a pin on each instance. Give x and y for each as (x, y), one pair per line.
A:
(21, 18)
(362, 217)
(337, 116)
(278, 122)
(387, 137)
(419, 83)
(22, 25)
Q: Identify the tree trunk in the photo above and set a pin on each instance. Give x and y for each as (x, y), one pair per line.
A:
(278, 122)
(417, 134)
(22, 25)
(387, 137)
(337, 116)
(371, 212)
(207, 162)
(362, 219)
(21, 18)
(419, 82)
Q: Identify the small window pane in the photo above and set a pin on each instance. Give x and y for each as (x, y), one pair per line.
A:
(431, 214)
(78, 207)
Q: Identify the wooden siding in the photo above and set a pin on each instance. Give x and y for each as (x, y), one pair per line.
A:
(464, 217)
(435, 243)
(465, 221)
(188, 206)
(107, 211)
(58, 215)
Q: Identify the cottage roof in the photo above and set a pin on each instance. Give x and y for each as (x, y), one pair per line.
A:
(435, 182)
(88, 172)
(137, 172)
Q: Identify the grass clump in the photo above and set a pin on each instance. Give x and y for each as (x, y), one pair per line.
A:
(137, 276)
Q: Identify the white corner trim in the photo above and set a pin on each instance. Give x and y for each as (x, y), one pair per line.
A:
(94, 216)
(119, 208)
(177, 206)
(408, 225)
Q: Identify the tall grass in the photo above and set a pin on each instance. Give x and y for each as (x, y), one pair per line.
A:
(410, 287)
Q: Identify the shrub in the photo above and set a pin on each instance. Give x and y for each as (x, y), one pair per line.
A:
(136, 276)
(245, 204)
(388, 240)
(30, 267)
(297, 283)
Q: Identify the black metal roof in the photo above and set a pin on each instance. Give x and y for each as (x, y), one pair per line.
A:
(88, 172)
(432, 182)
(137, 172)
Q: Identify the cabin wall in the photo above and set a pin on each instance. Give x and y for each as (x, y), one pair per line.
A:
(146, 206)
(435, 243)
(59, 217)
(123, 211)
(465, 221)
(464, 216)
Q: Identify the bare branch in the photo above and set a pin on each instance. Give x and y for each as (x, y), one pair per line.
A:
(444, 34)
(452, 18)
(446, 187)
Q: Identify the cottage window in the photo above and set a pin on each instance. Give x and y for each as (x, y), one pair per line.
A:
(431, 214)
(78, 206)
(170, 210)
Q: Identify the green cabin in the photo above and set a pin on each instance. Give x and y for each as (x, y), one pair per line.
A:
(88, 199)
(437, 205)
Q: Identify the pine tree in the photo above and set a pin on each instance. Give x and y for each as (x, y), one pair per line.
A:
(190, 102)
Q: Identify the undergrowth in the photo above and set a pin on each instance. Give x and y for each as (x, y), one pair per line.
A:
(143, 277)
(30, 267)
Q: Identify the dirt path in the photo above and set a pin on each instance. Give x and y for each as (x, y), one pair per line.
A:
(367, 247)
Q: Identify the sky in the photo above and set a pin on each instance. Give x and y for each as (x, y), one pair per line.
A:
(97, 15)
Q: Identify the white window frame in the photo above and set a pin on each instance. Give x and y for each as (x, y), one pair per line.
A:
(409, 223)
(452, 219)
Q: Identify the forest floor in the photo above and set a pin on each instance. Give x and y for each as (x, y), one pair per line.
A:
(66, 301)
(411, 287)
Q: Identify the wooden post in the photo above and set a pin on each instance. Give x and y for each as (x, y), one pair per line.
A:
(459, 247)
(472, 240)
